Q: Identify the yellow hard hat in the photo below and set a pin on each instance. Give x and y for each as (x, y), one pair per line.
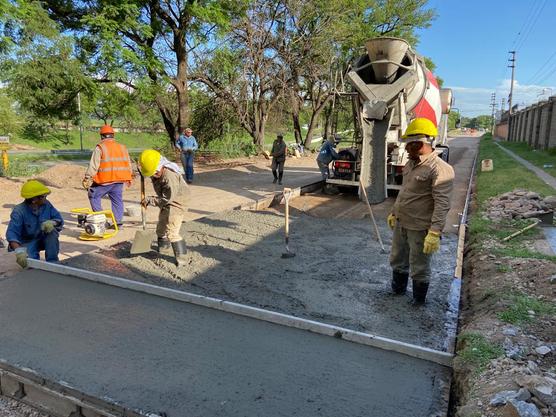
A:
(420, 126)
(33, 188)
(148, 161)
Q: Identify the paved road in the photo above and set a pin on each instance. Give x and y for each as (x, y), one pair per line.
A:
(154, 354)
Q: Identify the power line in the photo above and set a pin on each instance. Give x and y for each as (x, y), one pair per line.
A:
(532, 26)
(541, 69)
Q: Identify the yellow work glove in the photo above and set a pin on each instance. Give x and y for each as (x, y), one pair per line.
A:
(48, 226)
(21, 256)
(432, 242)
(86, 183)
(391, 220)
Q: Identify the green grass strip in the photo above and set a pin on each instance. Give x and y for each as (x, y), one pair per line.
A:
(545, 160)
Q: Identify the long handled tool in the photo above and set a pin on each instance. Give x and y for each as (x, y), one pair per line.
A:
(287, 195)
(143, 238)
(382, 248)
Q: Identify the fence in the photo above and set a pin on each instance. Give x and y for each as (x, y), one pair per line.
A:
(535, 125)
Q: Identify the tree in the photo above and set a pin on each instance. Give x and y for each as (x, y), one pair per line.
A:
(125, 41)
(321, 37)
(247, 72)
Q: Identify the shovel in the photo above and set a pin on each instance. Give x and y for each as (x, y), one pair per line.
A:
(143, 238)
(288, 253)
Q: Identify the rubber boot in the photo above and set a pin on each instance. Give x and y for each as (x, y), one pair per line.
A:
(164, 246)
(280, 178)
(399, 282)
(275, 177)
(179, 252)
(420, 289)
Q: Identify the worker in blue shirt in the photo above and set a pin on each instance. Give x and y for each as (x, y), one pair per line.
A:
(187, 145)
(35, 225)
(326, 155)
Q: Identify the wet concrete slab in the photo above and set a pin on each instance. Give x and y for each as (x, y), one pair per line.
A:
(157, 355)
(339, 275)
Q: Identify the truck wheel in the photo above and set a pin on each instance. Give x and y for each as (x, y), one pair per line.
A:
(445, 154)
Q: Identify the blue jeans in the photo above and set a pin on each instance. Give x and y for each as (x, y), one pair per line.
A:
(48, 242)
(114, 191)
(187, 161)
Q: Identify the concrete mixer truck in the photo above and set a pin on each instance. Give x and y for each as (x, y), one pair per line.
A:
(391, 87)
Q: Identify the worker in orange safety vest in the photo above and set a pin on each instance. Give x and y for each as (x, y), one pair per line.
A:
(109, 169)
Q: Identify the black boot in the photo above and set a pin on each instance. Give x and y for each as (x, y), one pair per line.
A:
(164, 246)
(280, 178)
(179, 252)
(275, 177)
(420, 289)
(399, 282)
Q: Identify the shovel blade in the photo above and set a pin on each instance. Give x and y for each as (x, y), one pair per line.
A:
(142, 242)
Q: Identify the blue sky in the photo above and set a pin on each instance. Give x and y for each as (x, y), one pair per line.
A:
(469, 43)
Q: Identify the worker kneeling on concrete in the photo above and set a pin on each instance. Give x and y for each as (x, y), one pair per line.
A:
(171, 191)
(34, 226)
(420, 210)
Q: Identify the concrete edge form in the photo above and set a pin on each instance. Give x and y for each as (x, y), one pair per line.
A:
(439, 357)
(454, 296)
(56, 399)
(264, 203)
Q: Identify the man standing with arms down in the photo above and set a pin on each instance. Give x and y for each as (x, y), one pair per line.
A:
(420, 211)
(187, 145)
(109, 169)
(278, 153)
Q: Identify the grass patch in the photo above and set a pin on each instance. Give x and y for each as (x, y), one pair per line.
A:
(545, 160)
(508, 174)
(485, 233)
(478, 351)
(62, 140)
(503, 268)
(521, 305)
(20, 168)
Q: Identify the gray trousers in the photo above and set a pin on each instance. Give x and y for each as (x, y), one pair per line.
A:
(407, 255)
(169, 223)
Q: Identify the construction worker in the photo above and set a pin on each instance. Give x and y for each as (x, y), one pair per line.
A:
(109, 169)
(326, 155)
(278, 153)
(34, 226)
(420, 210)
(171, 191)
(187, 145)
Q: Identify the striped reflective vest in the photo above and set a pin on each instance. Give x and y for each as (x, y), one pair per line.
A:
(115, 165)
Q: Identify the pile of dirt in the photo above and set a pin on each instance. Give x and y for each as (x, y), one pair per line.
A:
(63, 176)
(519, 204)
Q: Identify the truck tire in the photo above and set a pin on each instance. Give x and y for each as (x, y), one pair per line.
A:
(445, 154)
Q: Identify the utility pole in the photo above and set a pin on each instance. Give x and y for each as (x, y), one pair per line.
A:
(512, 66)
(493, 109)
(502, 100)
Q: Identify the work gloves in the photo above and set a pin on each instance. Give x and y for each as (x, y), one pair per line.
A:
(432, 242)
(149, 201)
(48, 226)
(21, 256)
(391, 220)
(86, 183)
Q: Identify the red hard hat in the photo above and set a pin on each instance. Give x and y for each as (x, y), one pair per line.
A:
(106, 130)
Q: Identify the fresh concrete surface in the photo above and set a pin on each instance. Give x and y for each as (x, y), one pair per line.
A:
(157, 355)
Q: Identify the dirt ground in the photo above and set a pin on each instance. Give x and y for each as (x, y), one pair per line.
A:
(218, 186)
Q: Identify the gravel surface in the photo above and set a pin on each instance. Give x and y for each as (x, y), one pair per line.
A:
(339, 276)
(12, 408)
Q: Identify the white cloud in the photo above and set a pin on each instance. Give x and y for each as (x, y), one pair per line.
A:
(473, 101)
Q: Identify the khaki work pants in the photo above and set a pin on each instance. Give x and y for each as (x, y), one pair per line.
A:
(169, 223)
(407, 255)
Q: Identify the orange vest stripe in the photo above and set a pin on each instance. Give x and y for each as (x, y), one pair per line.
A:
(115, 165)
